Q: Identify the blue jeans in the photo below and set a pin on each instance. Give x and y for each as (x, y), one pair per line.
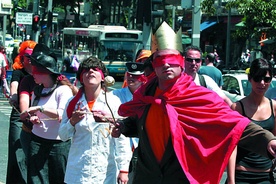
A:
(47, 160)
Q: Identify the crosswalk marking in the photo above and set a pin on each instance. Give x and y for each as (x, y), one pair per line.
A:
(5, 107)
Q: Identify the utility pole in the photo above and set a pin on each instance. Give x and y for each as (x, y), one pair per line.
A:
(35, 11)
(196, 23)
(228, 39)
(49, 22)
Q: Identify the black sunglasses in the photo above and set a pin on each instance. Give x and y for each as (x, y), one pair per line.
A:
(259, 79)
(190, 60)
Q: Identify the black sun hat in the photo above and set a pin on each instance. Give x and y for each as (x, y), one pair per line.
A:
(43, 57)
(135, 68)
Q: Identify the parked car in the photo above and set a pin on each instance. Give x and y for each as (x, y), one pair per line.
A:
(9, 43)
(237, 86)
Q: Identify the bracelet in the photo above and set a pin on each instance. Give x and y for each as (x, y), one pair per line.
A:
(123, 171)
(41, 109)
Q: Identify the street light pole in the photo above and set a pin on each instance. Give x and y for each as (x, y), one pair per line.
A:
(49, 24)
(35, 10)
(196, 23)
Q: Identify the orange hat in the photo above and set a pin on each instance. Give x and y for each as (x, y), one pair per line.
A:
(143, 54)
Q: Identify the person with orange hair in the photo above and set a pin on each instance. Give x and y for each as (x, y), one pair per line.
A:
(16, 167)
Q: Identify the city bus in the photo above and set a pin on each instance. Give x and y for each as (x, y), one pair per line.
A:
(114, 45)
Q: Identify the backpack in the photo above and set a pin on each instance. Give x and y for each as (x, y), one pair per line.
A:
(202, 81)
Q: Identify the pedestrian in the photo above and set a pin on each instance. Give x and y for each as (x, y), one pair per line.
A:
(141, 56)
(4, 66)
(246, 166)
(135, 78)
(211, 70)
(16, 167)
(216, 56)
(193, 61)
(145, 58)
(186, 132)
(70, 63)
(94, 156)
(47, 155)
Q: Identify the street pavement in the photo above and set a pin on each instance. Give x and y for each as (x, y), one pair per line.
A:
(5, 110)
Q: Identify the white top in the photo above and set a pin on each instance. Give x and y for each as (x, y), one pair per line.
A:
(210, 84)
(2, 60)
(125, 95)
(48, 128)
(93, 157)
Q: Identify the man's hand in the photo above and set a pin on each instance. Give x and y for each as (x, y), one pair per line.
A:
(122, 178)
(117, 129)
(271, 147)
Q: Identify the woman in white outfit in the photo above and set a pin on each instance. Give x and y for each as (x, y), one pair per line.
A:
(95, 156)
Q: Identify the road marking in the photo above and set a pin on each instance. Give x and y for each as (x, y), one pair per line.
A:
(5, 108)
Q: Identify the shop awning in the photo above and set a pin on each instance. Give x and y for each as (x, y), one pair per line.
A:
(268, 41)
(186, 40)
(205, 25)
(240, 24)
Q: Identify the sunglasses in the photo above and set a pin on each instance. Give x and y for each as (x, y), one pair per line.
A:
(190, 60)
(259, 79)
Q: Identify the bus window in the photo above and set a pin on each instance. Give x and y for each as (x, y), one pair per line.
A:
(83, 46)
(119, 51)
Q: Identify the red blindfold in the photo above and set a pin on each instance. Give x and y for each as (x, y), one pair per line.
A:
(95, 69)
(170, 59)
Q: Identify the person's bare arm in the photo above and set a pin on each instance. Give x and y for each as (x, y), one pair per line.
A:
(13, 95)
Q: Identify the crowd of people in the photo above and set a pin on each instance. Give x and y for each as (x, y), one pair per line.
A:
(169, 123)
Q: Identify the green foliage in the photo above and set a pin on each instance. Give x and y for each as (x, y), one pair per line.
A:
(207, 6)
(259, 16)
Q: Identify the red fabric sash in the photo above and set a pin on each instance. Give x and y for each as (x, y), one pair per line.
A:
(204, 129)
(73, 102)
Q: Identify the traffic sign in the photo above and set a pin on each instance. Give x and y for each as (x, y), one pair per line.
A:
(24, 18)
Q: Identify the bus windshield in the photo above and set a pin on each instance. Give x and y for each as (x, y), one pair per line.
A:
(118, 50)
(114, 45)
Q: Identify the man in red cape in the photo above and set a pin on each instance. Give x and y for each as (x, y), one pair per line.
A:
(186, 132)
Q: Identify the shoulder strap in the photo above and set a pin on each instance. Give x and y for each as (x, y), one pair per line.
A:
(202, 81)
(243, 112)
(37, 92)
(271, 106)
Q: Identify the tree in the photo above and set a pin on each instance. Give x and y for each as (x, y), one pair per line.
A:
(259, 16)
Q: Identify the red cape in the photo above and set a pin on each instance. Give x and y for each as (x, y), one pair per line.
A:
(204, 129)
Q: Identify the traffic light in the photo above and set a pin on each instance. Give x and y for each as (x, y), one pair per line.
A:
(36, 22)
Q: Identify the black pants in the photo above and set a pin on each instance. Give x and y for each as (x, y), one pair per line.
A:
(47, 160)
